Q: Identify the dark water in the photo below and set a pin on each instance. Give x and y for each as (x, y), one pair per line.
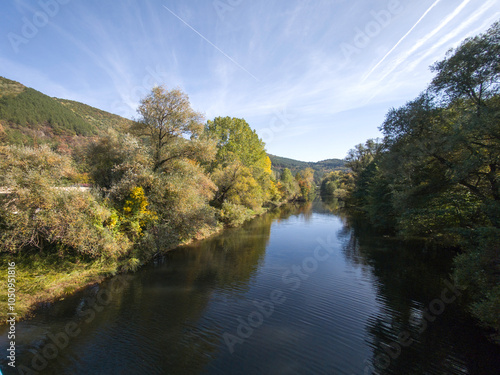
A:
(299, 291)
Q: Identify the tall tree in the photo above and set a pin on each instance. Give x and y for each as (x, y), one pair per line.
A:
(174, 129)
(241, 169)
(236, 140)
(362, 155)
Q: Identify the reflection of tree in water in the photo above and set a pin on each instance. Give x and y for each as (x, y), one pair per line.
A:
(163, 308)
(187, 337)
(408, 277)
(332, 204)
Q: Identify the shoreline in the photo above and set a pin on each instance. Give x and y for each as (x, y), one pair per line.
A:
(93, 274)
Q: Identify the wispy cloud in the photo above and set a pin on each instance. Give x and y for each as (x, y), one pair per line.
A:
(464, 29)
(101, 55)
(401, 40)
(403, 57)
(213, 45)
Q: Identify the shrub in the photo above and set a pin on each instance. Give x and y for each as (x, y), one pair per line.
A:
(235, 214)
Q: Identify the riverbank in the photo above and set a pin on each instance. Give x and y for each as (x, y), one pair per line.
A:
(47, 279)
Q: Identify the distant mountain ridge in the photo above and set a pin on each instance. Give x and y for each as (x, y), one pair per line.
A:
(320, 168)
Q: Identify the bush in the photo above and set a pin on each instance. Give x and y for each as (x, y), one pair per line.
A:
(39, 213)
(234, 215)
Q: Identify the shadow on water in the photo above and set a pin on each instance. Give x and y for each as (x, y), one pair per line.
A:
(156, 318)
(423, 327)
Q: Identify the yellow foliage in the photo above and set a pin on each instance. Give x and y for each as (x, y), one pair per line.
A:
(267, 166)
(135, 211)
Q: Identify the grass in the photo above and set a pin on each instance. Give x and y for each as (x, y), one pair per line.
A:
(49, 278)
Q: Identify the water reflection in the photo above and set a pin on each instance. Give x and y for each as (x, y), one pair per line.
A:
(158, 317)
(422, 328)
(345, 316)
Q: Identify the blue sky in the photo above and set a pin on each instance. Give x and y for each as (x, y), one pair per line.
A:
(313, 78)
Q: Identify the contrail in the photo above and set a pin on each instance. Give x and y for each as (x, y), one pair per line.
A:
(213, 45)
(400, 40)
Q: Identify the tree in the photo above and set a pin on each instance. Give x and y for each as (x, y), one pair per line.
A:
(236, 184)
(337, 184)
(438, 176)
(306, 183)
(241, 169)
(361, 155)
(236, 140)
(288, 186)
(112, 155)
(173, 128)
(454, 126)
(471, 71)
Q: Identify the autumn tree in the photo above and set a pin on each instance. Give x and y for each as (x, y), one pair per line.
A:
(40, 214)
(337, 184)
(306, 183)
(241, 169)
(173, 128)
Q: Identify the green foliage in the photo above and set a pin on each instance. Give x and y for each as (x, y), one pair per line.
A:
(320, 168)
(288, 186)
(337, 185)
(167, 120)
(112, 156)
(241, 168)
(307, 186)
(236, 184)
(37, 213)
(478, 268)
(437, 174)
(236, 141)
(361, 156)
(185, 209)
(34, 109)
(101, 120)
(234, 215)
(28, 117)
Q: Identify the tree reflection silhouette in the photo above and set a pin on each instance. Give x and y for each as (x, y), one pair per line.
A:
(408, 276)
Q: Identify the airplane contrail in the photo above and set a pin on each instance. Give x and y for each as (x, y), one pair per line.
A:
(400, 40)
(213, 45)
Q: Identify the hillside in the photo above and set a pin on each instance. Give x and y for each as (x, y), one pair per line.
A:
(320, 168)
(29, 117)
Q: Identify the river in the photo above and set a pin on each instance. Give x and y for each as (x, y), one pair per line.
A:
(302, 290)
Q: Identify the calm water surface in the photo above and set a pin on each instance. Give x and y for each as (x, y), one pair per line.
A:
(298, 291)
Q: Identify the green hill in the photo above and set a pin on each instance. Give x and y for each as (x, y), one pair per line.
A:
(27, 117)
(320, 168)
